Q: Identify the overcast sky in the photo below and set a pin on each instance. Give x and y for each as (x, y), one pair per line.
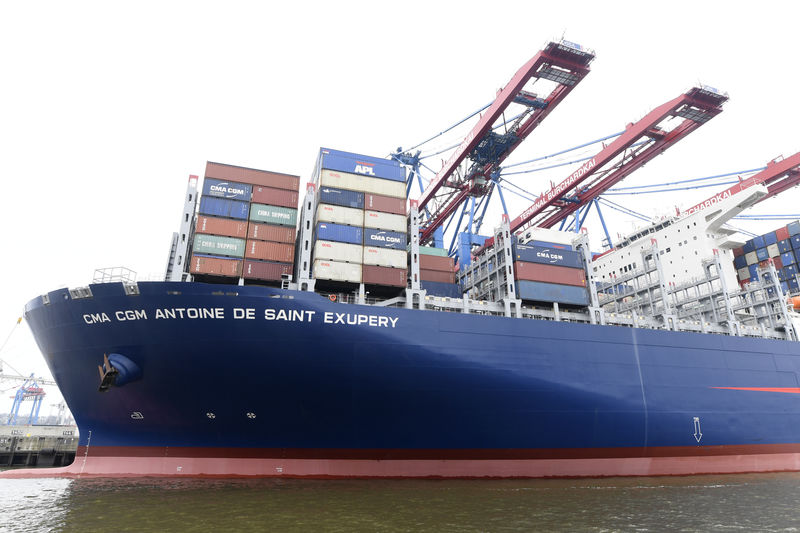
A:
(107, 108)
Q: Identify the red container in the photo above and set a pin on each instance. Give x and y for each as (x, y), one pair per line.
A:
(221, 226)
(778, 262)
(215, 266)
(272, 196)
(437, 275)
(738, 251)
(384, 204)
(782, 233)
(436, 262)
(550, 274)
(269, 232)
(252, 176)
(270, 251)
(265, 270)
(378, 275)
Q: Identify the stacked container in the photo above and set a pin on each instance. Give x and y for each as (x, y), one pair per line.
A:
(549, 274)
(437, 272)
(246, 225)
(782, 246)
(360, 221)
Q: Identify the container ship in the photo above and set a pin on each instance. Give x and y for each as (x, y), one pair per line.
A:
(323, 333)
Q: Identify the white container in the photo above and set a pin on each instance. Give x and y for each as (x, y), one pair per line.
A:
(355, 182)
(338, 251)
(744, 273)
(340, 215)
(751, 258)
(773, 251)
(337, 271)
(385, 257)
(378, 220)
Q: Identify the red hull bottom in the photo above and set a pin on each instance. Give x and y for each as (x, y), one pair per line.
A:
(138, 465)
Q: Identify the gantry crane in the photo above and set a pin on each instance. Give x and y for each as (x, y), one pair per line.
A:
(468, 170)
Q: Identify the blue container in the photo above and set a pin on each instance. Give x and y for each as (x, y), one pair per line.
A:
(384, 239)
(762, 254)
(547, 256)
(327, 231)
(362, 164)
(552, 292)
(227, 189)
(758, 242)
(342, 197)
(784, 246)
(545, 244)
(795, 240)
(753, 269)
(787, 258)
(437, 288)
(794, 227)
(791, 271)
(770, 238)
(781, 275)
(749, 246)
(797, 257)
(220, 207)
(739, 262)
(794, 285)
(785, 287)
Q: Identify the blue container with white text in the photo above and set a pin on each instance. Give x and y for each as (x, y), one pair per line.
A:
(220, 207)
(327, 231)
(384, 239)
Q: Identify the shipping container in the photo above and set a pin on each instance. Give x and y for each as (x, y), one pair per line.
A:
(550, 274)
(770, 238)
(753, 270)
(338, 251)
(265, 270)
(739, 261)
(271, 232)
(252, 176)
(743, 274)
(778, 262)
(340, 215)
(758, 242)
(788, 258)
(784, 287)
(390, 221)
(772, 250)
(751, 258)
(271, 214)
(782, 275)
(431, 250)
(552, 292)
(216, 245)
(762, 254)
(437, 275)
(794, 285)
(791, 270)
(342, 197)
(384, 239)
(221, 207)
(435, 288)
(362, 164)
(387, 257)
(385, 204)
(215, 266)
(270, 251)
(784, 246)
(226, 227)
(381, 275)
(549, 237)
(539, 254)
(227, 189)
(547, 244)
(797, 256)
(795, 240)
(738, 252)
(793, 228)
(749, 246)
(782, 233)
(353, 182)
(336, 271)
(437, 262)
(339, 233)
(273, 196)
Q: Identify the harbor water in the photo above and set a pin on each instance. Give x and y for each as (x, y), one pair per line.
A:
(757, 502)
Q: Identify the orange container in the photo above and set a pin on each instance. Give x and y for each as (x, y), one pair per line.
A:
(550, 274)
(437, 275)
(252, 176)
(269, 251)
(216, 266)
(221, 226)
(270, 232)
(273, 196)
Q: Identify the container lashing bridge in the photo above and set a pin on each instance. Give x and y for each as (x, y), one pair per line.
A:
(468, 171)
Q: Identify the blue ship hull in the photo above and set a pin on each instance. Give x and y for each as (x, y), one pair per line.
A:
(227, 380)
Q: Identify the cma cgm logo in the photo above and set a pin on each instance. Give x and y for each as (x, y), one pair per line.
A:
(552, 257)
(364, 168)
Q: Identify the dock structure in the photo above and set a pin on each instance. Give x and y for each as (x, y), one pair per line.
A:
(41, 446)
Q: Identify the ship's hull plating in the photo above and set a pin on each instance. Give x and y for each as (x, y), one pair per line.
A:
(239, 381)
